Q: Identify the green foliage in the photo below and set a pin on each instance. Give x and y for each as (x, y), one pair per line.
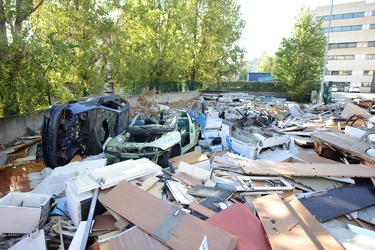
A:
(299, 60)
(61, 50)
(265, 63)
(243, 75)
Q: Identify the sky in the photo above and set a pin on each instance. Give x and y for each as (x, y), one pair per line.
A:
(268, 21)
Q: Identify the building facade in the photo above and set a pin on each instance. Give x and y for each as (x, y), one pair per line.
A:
(351, 46)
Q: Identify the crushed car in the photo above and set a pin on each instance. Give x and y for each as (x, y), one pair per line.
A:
(251, 134)
(155, 140)
(82, 126)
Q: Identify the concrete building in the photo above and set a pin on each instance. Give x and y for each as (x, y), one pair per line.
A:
(351, 45)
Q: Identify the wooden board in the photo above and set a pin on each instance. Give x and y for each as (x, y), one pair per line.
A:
(201, 209)
(290, 226)
(138, 206)
(134, 239)
(345, 143)
(193, 157)
(306, 169)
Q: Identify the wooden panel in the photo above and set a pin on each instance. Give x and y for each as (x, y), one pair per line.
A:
(134, 239)
(139, 206)
(306, 169)
(201, 209)
(344, 142)
(190, 158)
(285, 225)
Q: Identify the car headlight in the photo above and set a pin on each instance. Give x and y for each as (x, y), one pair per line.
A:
(112, 149)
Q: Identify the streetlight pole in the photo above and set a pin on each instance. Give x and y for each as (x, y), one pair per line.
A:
(325, 56)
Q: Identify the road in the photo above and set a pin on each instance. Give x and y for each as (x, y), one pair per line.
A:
(341, 96)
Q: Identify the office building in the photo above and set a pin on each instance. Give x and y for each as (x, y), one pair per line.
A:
(351, 45)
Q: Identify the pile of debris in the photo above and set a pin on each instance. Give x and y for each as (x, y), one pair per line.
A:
(266, 175)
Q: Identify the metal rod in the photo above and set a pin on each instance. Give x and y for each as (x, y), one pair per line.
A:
(90, 217)
(325, 56)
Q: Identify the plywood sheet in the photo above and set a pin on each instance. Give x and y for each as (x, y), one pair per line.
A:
(134, 239)
(139, 206)
(289, 226)
(313, 158)
(344, 142)
(193, 157)
(306, 169)
(201, 209)
(352, 109)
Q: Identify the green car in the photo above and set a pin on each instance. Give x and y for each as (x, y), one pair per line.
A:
(157, 141)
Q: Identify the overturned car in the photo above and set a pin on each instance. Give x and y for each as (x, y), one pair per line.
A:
(82, 126)
(155, 140)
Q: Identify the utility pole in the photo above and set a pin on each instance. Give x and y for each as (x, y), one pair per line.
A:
(325, 57)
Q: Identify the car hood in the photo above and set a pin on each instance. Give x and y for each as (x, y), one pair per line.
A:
(163, 141)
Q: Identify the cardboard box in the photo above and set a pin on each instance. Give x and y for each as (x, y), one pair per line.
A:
(23, 212)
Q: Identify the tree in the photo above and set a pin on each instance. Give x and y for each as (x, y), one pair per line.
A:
(299, 60)
(213, 30)
(243, 74)
(265, 63)
(75, 36)
(61, 50)
(18, 57)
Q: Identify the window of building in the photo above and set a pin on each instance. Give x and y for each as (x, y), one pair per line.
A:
(341, 85)
(368, 72)
(344, 16)
(370, 57)
(342, 45)
(372, 26)
(340, 72)
(341, 57)
(336, 29)
(358, 14)
(371, 44)
(338, 16)
(344, 28)
(366, 84)
(373, 12)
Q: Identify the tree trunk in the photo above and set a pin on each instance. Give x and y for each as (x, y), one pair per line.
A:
(3, 30)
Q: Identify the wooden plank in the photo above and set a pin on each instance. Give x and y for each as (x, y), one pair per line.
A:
(201, 209)
(193, 157)
(134, 239)
(287, 222)
(27, 142)
(139, 206)
(345, 143)
(352, 109)
(306, 169)
(104, 222)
